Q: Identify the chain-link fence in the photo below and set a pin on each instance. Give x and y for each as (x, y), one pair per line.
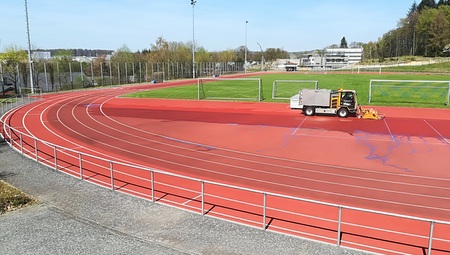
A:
(69, 75)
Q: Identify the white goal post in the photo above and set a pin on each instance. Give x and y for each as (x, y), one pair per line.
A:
(285, 89)
(412, 90)
(30, 91)
(230, 89)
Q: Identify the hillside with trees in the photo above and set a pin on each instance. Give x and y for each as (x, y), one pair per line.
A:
(425, 31)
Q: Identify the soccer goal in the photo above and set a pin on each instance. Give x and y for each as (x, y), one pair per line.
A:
(30, 91)
(230, 89)
(285, 89)
(158, 77)
(409, 91)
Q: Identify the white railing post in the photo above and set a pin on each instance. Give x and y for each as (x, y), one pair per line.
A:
(36, 150)
(21, 143)
(10, 137)
(112, 174)
(80, 160)
(430, 240)
(56, 157)
(203, 196)
(152, 176)
(339, 226)
(264, 209)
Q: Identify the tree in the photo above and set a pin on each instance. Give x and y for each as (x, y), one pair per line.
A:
(272, 54)
(123, 55)
(344, 43)
(433, 31)
(63, 58)
(64, 55)
(412, 9)
(14, 62)
(439, 34)
(425, 4)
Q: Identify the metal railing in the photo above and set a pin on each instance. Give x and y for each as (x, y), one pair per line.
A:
(353, 227)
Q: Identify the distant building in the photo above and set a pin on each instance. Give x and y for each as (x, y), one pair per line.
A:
(339, 57)
(41, 55)
(287, 64)
(330, 58)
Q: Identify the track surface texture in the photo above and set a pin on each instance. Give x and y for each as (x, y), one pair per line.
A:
(398, 165)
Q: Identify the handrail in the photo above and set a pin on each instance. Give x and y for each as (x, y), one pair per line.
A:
(8, 131)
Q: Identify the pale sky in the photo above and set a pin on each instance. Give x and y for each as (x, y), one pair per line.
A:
(292, 25)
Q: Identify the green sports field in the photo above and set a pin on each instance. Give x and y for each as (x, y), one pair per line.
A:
(398, 95)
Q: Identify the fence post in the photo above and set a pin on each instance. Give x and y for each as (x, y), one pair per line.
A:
(430, 240)
(36, 149)
(264, 209)
(81, 165)
(112, 174)
(56, 158)
(203, 197)
(10, 137)
(21, 143)
(3, 123)
(339, 226)
(152, 176)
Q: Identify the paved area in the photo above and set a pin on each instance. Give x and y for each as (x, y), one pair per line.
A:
(76, 217)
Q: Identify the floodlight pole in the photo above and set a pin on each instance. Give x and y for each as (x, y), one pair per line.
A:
(245, 48)
(193, 2)
(29, 48)
(262, 56)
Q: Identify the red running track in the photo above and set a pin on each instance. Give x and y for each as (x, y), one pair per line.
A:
(397, 165)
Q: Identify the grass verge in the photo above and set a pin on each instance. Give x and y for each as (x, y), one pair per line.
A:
(12, 198)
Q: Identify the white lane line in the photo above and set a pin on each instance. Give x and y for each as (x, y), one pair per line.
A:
(190, 200)
(390, 133)
(335, 193)
(437, 132)
(295, 131)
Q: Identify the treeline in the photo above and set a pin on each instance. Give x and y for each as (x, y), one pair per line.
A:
(165, 51)
(78, 52)
(425, 31)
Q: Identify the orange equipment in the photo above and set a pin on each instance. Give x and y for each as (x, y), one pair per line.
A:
(369, 113)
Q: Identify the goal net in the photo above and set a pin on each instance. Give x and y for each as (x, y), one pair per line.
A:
(230, 89)
(409, 92)
(26, 91)
(158, 77)
(285, 89)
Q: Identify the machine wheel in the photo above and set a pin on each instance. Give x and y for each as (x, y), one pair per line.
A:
(343, 113)
(309, 111)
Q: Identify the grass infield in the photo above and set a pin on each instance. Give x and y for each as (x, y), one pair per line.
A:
(358, 82)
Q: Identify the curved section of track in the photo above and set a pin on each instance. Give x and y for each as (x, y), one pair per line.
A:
(397, 165)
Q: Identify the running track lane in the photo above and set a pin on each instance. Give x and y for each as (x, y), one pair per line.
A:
(229, 143)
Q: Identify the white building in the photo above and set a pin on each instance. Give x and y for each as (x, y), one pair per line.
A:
(343, 56)
(329, 58)
(38, 55)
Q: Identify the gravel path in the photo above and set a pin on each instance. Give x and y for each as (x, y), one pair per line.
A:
(76, 217)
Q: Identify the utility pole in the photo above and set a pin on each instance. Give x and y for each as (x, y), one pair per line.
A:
(193, 2)
(29, 48)
(245, 48)
(262, 56)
